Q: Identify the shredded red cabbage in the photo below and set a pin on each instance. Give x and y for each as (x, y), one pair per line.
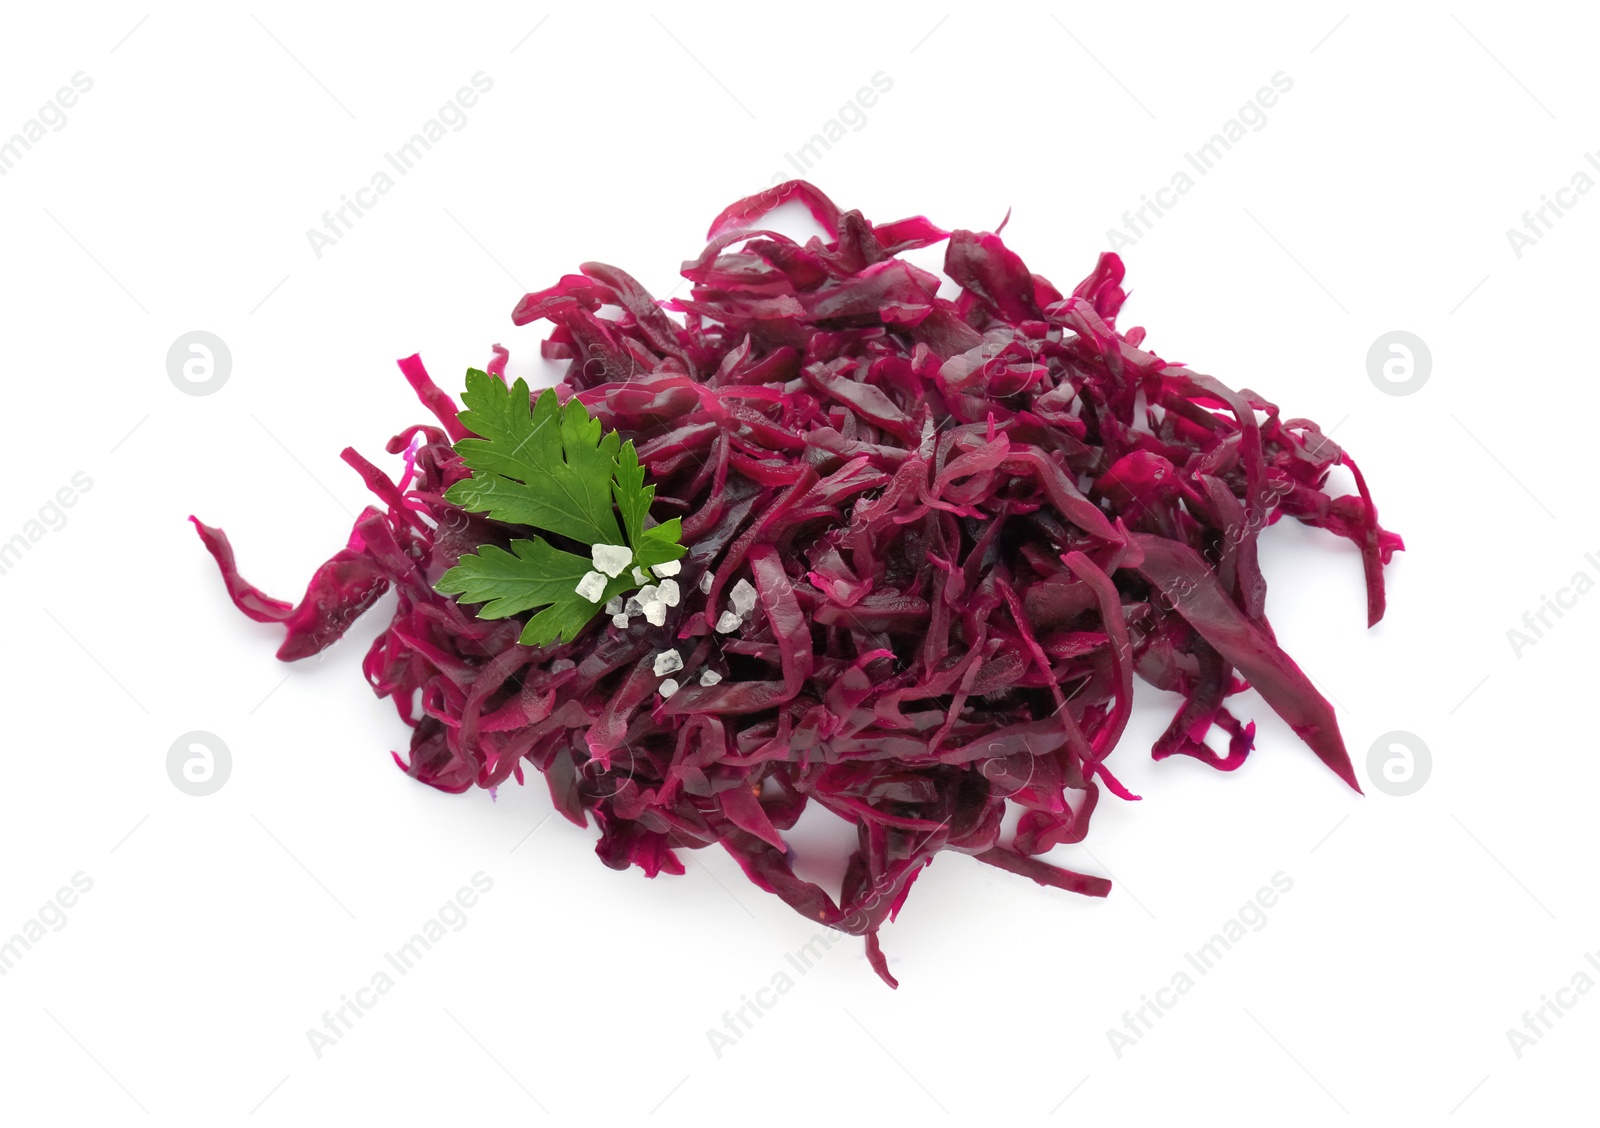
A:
(968, 524)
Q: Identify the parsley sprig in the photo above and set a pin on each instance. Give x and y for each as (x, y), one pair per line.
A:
(540, 465)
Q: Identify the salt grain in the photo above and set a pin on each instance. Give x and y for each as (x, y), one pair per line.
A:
(668, 662)
(667, 592)
(611, 559)
(655, 613)
(670, 568)
(743, 598)
(669, 687)
(728, 623)
(592, 586)
(709, 677)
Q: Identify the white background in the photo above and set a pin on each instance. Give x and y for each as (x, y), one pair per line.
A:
(219, 929)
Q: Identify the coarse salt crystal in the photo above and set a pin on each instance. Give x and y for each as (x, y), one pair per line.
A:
(709, 677)
(639, 577)
(728, 623)
(611, 559)
(667, 592)
(619, 620)
(705, 581)
(614, 605)
(655, 613)
(670, 568)
(743, 598)
(592, 586)
(669, 687)
(668, 662)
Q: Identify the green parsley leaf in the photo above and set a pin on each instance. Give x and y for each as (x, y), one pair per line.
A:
(650, 546)
(660, 544)
(533, 574)
(552, 468)
(633, 496)
(542, 465)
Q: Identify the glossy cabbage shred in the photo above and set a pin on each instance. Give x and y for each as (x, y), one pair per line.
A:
(970, 522)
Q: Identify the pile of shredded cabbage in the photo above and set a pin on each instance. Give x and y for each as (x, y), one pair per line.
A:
(932, 541)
